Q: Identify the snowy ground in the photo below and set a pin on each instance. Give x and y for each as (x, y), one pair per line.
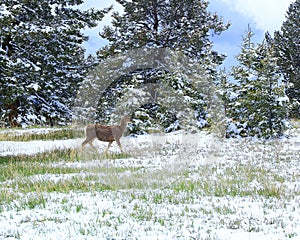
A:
(174, 186)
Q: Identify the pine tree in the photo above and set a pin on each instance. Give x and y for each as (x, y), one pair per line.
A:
(179, 26)
(258, 106)
(42, 41)
(5, 70)
(287, 48)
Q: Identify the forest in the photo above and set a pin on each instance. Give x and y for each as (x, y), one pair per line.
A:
(158, 66)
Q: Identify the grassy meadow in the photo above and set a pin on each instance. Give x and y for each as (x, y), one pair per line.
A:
(168, 189)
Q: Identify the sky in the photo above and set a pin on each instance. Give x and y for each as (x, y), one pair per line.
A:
(260, 15)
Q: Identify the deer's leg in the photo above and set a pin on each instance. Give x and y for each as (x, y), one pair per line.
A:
(82, 145)
(88, 141)
(109, 144)
(85, 142)
(119, 144)
(91, 144)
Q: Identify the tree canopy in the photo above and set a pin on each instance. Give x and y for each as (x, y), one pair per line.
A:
(257, 104)
(179, 26)
(43, 58)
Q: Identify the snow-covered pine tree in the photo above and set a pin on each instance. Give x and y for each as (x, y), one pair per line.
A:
(6, 80)
(287, 48)
(179, 25)
(259, 104)
(183, 26)
(227, 91)
(42, 41)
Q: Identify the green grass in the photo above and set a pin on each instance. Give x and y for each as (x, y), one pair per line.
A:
(68, 155)
(23, 169)
(75, 183)
(240, 180)
(25, 174)
(56, 134)
(15, 190)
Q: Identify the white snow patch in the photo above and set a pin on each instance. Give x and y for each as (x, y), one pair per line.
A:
(34, 147)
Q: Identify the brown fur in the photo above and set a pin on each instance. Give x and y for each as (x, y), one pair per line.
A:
(106, 133)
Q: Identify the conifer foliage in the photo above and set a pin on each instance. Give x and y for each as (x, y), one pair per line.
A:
(42, 59)
(257, 103)
(180, 26)
(287, 49)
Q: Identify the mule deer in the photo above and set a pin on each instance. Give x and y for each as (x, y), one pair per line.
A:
(106, 133)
